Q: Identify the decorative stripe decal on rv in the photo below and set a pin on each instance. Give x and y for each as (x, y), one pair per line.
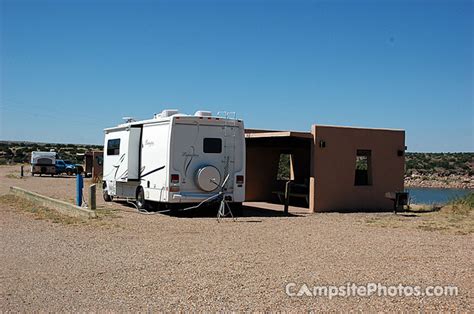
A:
(150, 172)
(118, 166)
(187, 162)
(115, 167)
(124, 175)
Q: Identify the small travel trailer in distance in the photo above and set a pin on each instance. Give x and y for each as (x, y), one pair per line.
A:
(175, 158)
(43, 163)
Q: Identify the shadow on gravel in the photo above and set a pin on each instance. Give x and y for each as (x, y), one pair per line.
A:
(210, 211)
(410, 212)
(405, 211)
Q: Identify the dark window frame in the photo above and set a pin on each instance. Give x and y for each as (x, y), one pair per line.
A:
(115, 149)
(212, 145)
(363, 175)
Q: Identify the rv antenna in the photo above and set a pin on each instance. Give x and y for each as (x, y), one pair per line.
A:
(128, 119)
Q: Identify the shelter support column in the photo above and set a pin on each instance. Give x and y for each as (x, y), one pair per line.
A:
(312, 179)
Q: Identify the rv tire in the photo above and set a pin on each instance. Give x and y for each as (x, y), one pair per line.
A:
(140, 197)
(105, 193)
(107, 197)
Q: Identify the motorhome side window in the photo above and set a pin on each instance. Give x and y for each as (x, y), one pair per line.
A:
(113, 147)
(212, 145)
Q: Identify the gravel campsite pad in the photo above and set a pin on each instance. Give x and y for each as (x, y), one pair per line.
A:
(126, 261)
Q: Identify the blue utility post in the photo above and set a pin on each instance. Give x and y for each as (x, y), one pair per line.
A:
(79, 186)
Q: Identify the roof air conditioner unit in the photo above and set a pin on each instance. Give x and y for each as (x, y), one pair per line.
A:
(168, 113)
(202, 113)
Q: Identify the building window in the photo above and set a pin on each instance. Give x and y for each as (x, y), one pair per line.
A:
(363, 171)
(285, 167)
(113, 147)
(212, 145)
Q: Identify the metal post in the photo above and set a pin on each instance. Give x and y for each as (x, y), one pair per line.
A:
(79, 186)
(396, 203)
(287, 197)
(21, 171)
(91, 203)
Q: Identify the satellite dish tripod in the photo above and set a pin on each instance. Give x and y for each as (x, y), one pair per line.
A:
(224, 208)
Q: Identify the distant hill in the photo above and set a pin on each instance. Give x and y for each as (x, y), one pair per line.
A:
(20, 152)
(442, 164)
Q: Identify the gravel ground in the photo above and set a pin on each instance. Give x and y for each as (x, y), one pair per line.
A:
(159, 262)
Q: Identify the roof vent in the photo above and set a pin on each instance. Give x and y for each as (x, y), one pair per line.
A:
(201, 113)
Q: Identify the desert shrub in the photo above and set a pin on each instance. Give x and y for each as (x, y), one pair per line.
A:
(467, 200)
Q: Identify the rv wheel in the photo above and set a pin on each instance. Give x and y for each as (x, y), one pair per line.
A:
(105, 193)
(141, 202)
(107, 197)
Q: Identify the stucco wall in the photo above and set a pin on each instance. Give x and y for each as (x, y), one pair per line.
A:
(333, 168)
(262, 167)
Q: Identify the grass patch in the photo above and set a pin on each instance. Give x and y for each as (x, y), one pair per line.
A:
(40, 212)
(107, 213)
(386, 221)
(456, 217)
(465, 203)
(422, 208)
(13, 176)
(45, 213)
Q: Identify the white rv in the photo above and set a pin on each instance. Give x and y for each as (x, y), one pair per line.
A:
(43, 163)
(175, 158)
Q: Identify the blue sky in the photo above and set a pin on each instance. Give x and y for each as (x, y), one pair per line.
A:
(71, 68)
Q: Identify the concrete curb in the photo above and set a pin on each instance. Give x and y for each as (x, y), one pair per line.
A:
(60, 206)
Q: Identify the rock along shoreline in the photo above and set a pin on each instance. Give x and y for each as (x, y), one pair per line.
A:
(444, 182)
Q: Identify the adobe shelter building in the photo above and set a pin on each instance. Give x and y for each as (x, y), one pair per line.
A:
(331, 168)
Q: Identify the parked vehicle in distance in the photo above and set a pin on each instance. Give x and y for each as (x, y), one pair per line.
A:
(43, 163)
(72, 168)
(175, 158)
(65, 167)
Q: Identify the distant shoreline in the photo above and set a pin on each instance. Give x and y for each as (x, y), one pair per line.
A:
(442, 182)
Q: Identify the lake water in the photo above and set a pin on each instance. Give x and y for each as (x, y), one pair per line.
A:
(434, 195)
